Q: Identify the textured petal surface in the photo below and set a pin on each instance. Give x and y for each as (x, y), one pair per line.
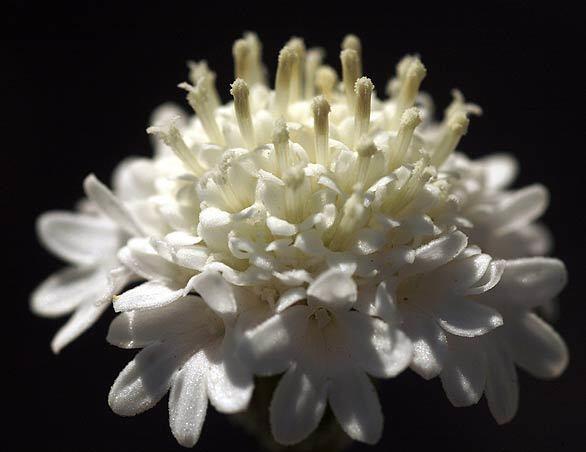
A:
(188, 400)
(465, 317)
(146, 379)
(78, 238)
(334, 289)
(355, 404)
(297, 406)
(502, 388)
(149, 295)
(437, 252)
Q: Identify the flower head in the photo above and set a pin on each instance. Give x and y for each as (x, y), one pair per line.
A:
(315, 230)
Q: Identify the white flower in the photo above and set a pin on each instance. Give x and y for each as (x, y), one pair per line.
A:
(314, 230)
(188, 346)
(326, 349)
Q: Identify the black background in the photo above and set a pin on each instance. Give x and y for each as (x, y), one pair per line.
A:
(81, 81)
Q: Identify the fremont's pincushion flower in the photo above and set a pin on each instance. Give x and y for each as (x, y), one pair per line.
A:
(311, 231)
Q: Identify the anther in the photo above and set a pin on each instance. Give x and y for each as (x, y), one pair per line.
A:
(321, 127)
(353, 218)
(313, 59)
(363, 89)
(350, 73)
(298, 70)
(365, 150)
(353, 42)
(242, 109)
(410, 119)
(412, 73)
(198, 98)
(454, 129)
(241, 52)
(281, 143)
(285, 67)
(200, 71)
(325, 80)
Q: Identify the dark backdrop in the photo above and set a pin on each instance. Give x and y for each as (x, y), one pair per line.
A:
(81, 81)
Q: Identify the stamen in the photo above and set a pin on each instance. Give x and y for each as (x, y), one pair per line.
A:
(459, 104)
(198, 98)
(353, 42)
(409, 121)
(281, 143)
(286, 65)
(241, 51)
(365, 149)
(321, 126)
(350, 73)
(171, 136)
(363, 89)
(353, 217)
(454, 129)
(242, 109)
(401, 198)
(297, 72)
(313, 59)
(235, 199)
(413, 72)
(294, 200)
(326, 79)
(255, 67)
(200, 70)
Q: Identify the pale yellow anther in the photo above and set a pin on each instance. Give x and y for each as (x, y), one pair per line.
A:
(313, 59)
(410, 119)
(239, 90)
(325, 80)
(411, 72)
(171, 136)
(287, 63)
(363, 89)
(241, 53)
(453, 130)
(199, 99)
(298, 70)
(321, 126)
(281, 144)
(255, 67)
(199, 71)
(353, 42)
(350, 73)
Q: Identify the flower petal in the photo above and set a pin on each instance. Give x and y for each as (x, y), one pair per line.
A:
(228, 380)
(537, 348)
(216, 292)
(528, 282)
(146, 379)
(188, 400)
(83, 318)
(466, 317)
(376, 347)
(111, 206)
(297, 406)
(269, 346)
(78, 238)
(436, 253)
(149, 295)
(521, 208)
(334, 289)
(464, 372)
(65, 290)
(499, 170)
(502, 388)
(355, 404)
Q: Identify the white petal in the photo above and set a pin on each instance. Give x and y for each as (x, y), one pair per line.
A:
(466, 317)
(133, 179)
(529, 282)
(82, 319)
(137, 329)
(521, 208)
(146, 379)
(216, 292)
(464, 372)
(188, 400)
(499, 170)
(376, 347)
(65, 290)
(355, 404)
(228, 380)
(269, 346)
(111, 206)
(437, 252)
(502, 388)
(78, 238)
(310, 242)
(334, 289)
(142, 259)
(297, 406)
(461, 274)
(429, 342)
(290, 297)
(536, 347)
(149, 295)
(490, 279)
(280, 227)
